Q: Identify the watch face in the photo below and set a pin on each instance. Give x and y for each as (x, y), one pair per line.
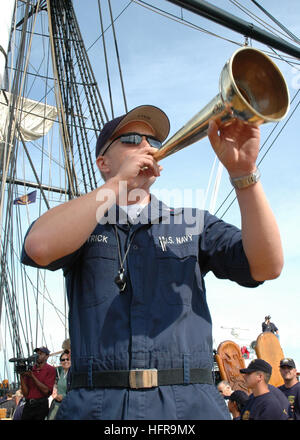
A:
(245, 181)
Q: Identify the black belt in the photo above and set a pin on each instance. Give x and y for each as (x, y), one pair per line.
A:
(140, 378)
(32, 401)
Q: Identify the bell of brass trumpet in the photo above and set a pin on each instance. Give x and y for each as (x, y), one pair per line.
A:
(252, 89)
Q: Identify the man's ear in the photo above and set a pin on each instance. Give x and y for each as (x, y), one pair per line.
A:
(103, 164)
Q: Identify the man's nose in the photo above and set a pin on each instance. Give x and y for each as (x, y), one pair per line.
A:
(145, 143)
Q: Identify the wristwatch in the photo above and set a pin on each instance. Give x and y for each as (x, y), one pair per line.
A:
(245, 181)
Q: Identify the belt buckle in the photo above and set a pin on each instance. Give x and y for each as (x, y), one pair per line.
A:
(143, 378)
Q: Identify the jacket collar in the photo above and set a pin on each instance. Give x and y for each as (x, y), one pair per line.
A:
(154, 212)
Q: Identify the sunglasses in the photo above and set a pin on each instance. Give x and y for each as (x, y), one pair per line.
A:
(135, 139)
(64, 359)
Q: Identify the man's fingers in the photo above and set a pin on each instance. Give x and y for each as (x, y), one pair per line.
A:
(212, 134)
(147, 162)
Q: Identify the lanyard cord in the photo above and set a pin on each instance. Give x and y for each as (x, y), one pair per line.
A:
(119, 247)
(121, 279)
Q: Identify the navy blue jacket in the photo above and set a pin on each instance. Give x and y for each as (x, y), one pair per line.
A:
(293, 396)
(161, 320)
(268, 406)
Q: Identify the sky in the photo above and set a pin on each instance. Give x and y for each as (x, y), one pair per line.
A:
(176, 67)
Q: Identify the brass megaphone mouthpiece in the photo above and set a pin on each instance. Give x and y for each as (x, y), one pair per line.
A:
(252, 89)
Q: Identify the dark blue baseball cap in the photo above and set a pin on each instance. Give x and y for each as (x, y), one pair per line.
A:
(150, 114)
(257, 365)
(43, 349)
(287, 362)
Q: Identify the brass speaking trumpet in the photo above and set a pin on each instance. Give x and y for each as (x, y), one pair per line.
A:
(252, 89)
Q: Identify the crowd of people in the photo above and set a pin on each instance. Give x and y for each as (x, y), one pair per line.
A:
(42, 389)
(265, 402)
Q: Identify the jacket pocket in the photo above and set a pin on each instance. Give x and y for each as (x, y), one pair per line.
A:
(177, 270)
(98, 271)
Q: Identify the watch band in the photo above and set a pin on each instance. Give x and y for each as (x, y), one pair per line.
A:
(245, 181)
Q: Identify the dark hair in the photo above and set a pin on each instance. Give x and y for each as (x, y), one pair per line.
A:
(240, 405)
(267, 376)
(63, 353)
(240, 398)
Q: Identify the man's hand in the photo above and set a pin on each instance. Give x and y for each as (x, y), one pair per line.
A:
(139, 167)
(236, 145)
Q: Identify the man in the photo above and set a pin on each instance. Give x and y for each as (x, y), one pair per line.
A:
(236, 403)
(268, 326)
(37, 385)
(140, 327)
(20, 402)
(291, 387)
(264, 403)
(224, 388)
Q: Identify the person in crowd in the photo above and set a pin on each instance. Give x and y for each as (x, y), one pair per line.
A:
(291, 387)
(20, 402)
(268, 326)
(9, 404)
(61, 384)
(3, 397)
(263, 404)
(224, 388)
(135, 270)
(66, 346)
(4, 389)
(1, 392)
(37, 385)
(236, 403)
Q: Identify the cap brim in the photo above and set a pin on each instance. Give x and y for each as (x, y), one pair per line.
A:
(246, 370)
(151, 115)
(43, 351)
(287, 365)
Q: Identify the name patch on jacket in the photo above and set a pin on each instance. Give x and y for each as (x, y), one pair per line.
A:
(98, 238)
(181, 239)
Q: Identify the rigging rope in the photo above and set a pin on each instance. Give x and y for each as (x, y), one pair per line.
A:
(286, 30)
(266, 25)
(105, 58)
(13, 236)
(118, 56)
(182, 21)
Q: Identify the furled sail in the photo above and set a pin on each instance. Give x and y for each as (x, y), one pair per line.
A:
(34, 118)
